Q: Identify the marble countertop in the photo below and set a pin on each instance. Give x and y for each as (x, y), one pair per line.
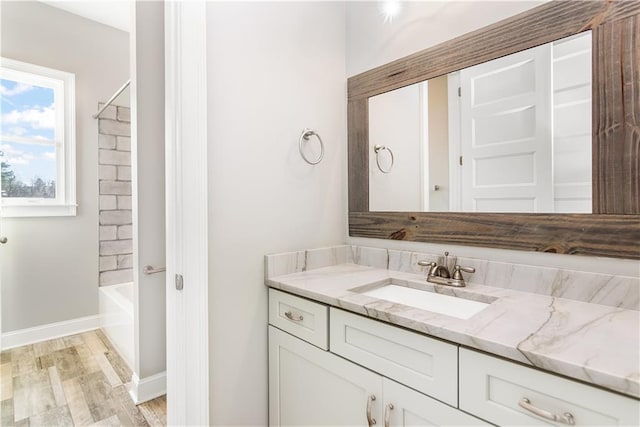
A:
(594, 343)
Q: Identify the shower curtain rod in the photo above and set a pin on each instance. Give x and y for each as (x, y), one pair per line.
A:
(115, 95)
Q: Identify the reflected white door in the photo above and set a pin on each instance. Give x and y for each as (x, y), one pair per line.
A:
(506, 134)
(397, 121)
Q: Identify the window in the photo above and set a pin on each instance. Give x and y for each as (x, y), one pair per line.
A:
(37, 140)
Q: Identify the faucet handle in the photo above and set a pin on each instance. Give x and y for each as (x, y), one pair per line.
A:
(457, 271)
(432, 266)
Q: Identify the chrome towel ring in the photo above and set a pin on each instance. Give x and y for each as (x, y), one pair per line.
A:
(306, 134)
(378, 148)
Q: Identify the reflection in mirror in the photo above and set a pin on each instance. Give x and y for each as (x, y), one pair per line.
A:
(508, 135)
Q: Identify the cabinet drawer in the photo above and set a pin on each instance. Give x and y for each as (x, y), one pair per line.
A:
(305, 319)
(425, 364)
(492, 388)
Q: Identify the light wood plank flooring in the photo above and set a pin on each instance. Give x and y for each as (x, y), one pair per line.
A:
(79, 380)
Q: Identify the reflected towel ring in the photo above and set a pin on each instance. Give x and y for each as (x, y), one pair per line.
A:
(378, 148)
(305, 136)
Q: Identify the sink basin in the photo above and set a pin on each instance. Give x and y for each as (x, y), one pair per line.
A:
(437, 303)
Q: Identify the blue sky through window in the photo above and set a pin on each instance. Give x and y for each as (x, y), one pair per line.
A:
(28, 161)
(28, 112)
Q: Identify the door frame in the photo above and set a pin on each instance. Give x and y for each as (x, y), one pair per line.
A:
(186, 213)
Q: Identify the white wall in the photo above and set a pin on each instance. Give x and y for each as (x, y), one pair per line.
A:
(274, 69)
(50, 265)
(371, 43)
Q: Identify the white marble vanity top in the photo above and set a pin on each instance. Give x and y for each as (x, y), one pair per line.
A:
(594, 343)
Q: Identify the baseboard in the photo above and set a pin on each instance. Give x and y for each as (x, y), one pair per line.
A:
(143, 390)
(49, 331)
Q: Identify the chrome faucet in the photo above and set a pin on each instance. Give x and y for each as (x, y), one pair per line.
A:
(441, 275)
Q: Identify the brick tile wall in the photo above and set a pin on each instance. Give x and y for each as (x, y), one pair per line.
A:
(114, 174)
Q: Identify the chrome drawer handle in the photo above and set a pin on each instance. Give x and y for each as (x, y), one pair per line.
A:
(566, 418)
(294, 316)
(387, 414)
(370, 420)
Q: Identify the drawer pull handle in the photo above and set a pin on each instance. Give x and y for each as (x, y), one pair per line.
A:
(294, 316)
(387, 414)
(567, 418)
(370, 420)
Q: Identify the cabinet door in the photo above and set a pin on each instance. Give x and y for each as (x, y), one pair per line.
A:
(406, 407)
(308, 386)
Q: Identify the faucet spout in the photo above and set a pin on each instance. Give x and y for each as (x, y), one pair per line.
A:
(441, 275)
(440, 271)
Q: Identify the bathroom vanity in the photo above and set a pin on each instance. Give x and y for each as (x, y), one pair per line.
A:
(355, 344)
(357, 336)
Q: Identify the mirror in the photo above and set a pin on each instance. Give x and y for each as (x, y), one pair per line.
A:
(509, 135)
(613, 227)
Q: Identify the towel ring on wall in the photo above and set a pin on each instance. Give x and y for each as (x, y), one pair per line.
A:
(378, 148)
(306, 134)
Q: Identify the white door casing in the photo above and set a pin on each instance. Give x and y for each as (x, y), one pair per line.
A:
(186, 213)
(455, 172)
(506, 134)
(572, 124)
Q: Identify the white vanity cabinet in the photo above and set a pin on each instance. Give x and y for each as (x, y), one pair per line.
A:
(377, 373)
(493, 389)
(309, 386)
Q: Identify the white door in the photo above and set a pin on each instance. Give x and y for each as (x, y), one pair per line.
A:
(406, 407)
(506, 134)
(186, 213)
(309, 386)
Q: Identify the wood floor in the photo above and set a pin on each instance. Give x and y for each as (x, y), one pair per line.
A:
(79, 380)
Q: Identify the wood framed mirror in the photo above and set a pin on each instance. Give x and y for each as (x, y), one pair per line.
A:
(613, 227)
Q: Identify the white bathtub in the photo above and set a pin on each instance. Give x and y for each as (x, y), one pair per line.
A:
(116, 318)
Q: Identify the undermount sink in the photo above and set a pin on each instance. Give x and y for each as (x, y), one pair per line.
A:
(425, 300)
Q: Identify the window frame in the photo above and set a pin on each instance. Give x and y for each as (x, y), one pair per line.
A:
(63, 85)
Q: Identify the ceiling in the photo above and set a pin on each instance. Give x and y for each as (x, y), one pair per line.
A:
(114, 13)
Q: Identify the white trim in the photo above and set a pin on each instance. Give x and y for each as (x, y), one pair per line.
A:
(146, 389)
(49, 331)
(37, 210)
(455, 170)
(425, 185)
(187, 212)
